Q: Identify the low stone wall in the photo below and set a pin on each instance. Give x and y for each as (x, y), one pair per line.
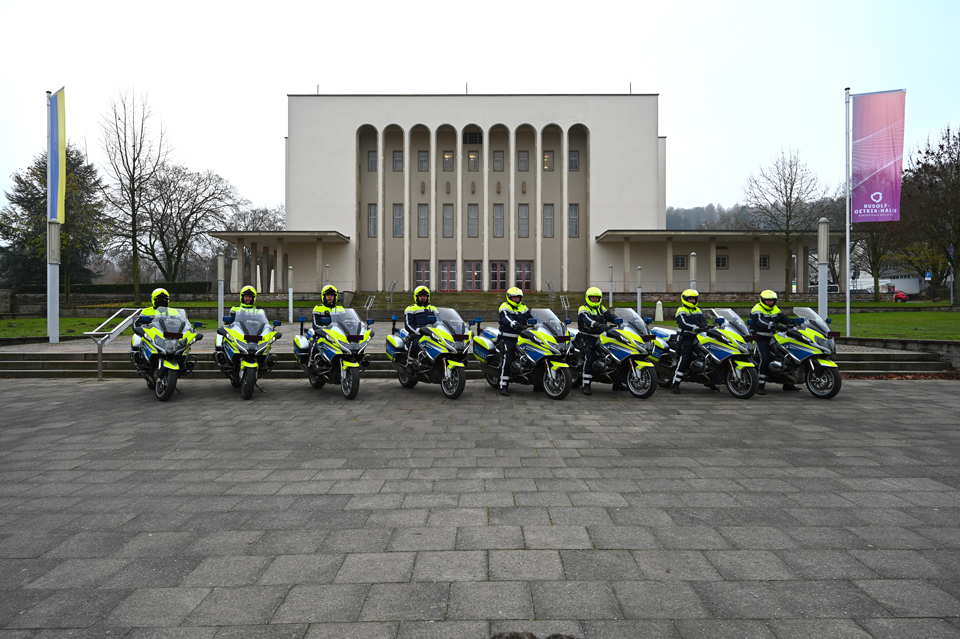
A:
(6, 300)
(796, 299)
(949, 351)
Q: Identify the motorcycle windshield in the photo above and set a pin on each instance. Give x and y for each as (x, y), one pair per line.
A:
(633, 320)
(731, 320)
(451, 321)
(251, 322)
(170, 320)
(348, 321)
(546, 319)
(811, 319)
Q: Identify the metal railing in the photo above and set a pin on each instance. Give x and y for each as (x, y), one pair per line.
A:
(553, 294)
(103, 337)
(393, 287)
(565, 305)
(369, 304)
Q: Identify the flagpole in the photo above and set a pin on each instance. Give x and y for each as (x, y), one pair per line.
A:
(53, 243)
(846, 275)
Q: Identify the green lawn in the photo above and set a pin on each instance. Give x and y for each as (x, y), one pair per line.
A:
(68, 326)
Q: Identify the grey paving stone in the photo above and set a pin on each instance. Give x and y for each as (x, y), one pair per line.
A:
(406, 602)
(599, 565)
(77, 573)
(575, 600)
(898, 628)
(675, 565)
(490, 600)
(629, 629)
(376, 567)
(246, 605)
(343, 541)
(657, 600)
(910, 598)
(226, 571)
(443, 630)
(151, 572)
(277, 631)
(539, 628)
(468, 565)
(539, 537)
(750, 565)
(806, 628)
(723, 629)
(690, 538)
(825, 564)
(525, 565)
(321, 603)
(356, 630)
(489, 538)
(147, 607)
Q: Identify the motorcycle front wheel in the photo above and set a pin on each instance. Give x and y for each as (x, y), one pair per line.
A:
(492, 380)
(559, 386)
(248, 382)
(744, 385)
(166, 383)
(453, 385)
(642, 383)
(826, 384)
(350, 382)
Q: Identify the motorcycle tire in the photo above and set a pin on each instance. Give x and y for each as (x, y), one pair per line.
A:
(492, 380)
(642, 384)
(316, 381)
(166, 383)
(350, 382)
(826, 385)
(406, 379)
(453, 387)
(247, 383)
(559, 387)
(235, 384)
(151, 385)
(743, 388)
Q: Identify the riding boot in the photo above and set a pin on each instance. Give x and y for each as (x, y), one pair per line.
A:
(760, 389)
(505, 390)
(586, 389)
(675, 388)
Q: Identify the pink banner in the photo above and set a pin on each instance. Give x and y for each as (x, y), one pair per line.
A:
(877, 156)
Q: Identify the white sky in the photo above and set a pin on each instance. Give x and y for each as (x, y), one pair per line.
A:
(738, 81)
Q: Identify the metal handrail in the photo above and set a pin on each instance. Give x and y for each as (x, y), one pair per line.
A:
(565, 305)
(393, 287)
(553, 294)
(103, 337)
(369, 304)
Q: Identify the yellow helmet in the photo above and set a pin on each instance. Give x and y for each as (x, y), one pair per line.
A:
(329, 288)
(514, 292)
(248, 290)
(157, 294)
(593, 291)
(768, 298)
(418, 291)
(690, 297)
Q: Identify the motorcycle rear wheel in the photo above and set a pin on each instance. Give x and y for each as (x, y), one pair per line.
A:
(247, 383)
(406, 379)
(745, 386)
(492, 380)
(826, 385)
(316, 381)
(642, 384)
(166, 383)
(453, 386)
(350, 382)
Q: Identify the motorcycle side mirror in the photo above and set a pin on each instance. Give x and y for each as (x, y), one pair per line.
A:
(226, 319)
(325, 320)
(369, 322)
(222, 331)
(618, 321)
(279, 335)
(471, 322)
(532, 321)
(568, 321)
(139, 331)
(277, 322)
(198, 337)
(198, 324)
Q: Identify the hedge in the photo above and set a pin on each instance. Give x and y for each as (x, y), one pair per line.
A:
(126, 289)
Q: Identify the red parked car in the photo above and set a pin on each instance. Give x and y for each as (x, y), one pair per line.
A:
(899, 296)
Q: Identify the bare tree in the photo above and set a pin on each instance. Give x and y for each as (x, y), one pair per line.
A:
(181, 207)
(785, 199)
(134, 156)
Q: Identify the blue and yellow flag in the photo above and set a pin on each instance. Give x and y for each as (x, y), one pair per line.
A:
(56, 158)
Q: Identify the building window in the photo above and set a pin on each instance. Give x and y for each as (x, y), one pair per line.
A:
(448, 161)
(423, 160)
(679, 262)
(372, 161)
(473, 276)
(473, 160)
(525, 275)
(371, 220)
(523, 219)
(473, 220)
(548, 220)
(474, 137)
(421, 270)
(398, 220)
(498, 220)
(498, 160)
(548, 160)
(723, 261)
(498, 276)
(764, 261)
(448, 277)
(574, 160)
(574, 222)
(423, 220)
(448, 220)
(398, 160)
(523, 160)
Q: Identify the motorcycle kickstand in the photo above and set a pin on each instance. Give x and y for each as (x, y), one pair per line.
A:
(259, 387)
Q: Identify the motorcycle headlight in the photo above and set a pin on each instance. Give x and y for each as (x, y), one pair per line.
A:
(167, 345)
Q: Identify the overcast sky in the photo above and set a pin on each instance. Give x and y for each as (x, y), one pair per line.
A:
(738, 81)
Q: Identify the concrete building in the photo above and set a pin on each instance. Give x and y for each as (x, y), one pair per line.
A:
(484, 192)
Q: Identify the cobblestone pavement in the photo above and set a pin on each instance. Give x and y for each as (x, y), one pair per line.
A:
(400, 514)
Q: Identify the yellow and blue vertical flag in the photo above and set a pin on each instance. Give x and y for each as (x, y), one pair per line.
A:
(57, 154)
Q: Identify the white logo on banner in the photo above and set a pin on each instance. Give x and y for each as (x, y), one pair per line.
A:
(876, 197)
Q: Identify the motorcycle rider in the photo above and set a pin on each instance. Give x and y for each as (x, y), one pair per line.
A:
(420, 307)
(592, 319)
(690, 319)
(159, 298)
(248, 300)
(763, 323)
(328, 303)
(513, 319)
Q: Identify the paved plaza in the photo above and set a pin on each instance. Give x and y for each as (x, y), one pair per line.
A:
(401, 514)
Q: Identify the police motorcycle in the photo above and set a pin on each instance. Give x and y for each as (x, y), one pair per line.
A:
(161, 349)
(720, 356)
(541, 352)
(334, 350)
(243, 348)
(733, 322)
(622, 355)
(444, 342)
(802, 355)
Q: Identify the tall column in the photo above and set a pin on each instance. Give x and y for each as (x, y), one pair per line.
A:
(281, 277)
(286, 274)
(536, 217)
(669, 265)
(407, 211)
(458, 212)
(382, 222)
(565, 210)
(511, 212)
(254, 267)
(241, 261)
(626, 265)
(319, 264)
(756, 265)
(713, 264)
(485, 208)
(432, 233)
(803, 280)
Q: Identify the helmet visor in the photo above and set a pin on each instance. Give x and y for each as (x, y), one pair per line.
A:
(594, 299)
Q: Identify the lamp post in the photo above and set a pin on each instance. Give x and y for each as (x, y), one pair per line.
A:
(693, 271)
(220, 290)
(823, 254)
(290, 290)
(639, 290)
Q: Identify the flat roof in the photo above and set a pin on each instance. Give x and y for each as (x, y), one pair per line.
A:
(659, 235)
(270, 237)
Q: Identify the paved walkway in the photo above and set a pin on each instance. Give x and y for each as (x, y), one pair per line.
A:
(299, 514)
